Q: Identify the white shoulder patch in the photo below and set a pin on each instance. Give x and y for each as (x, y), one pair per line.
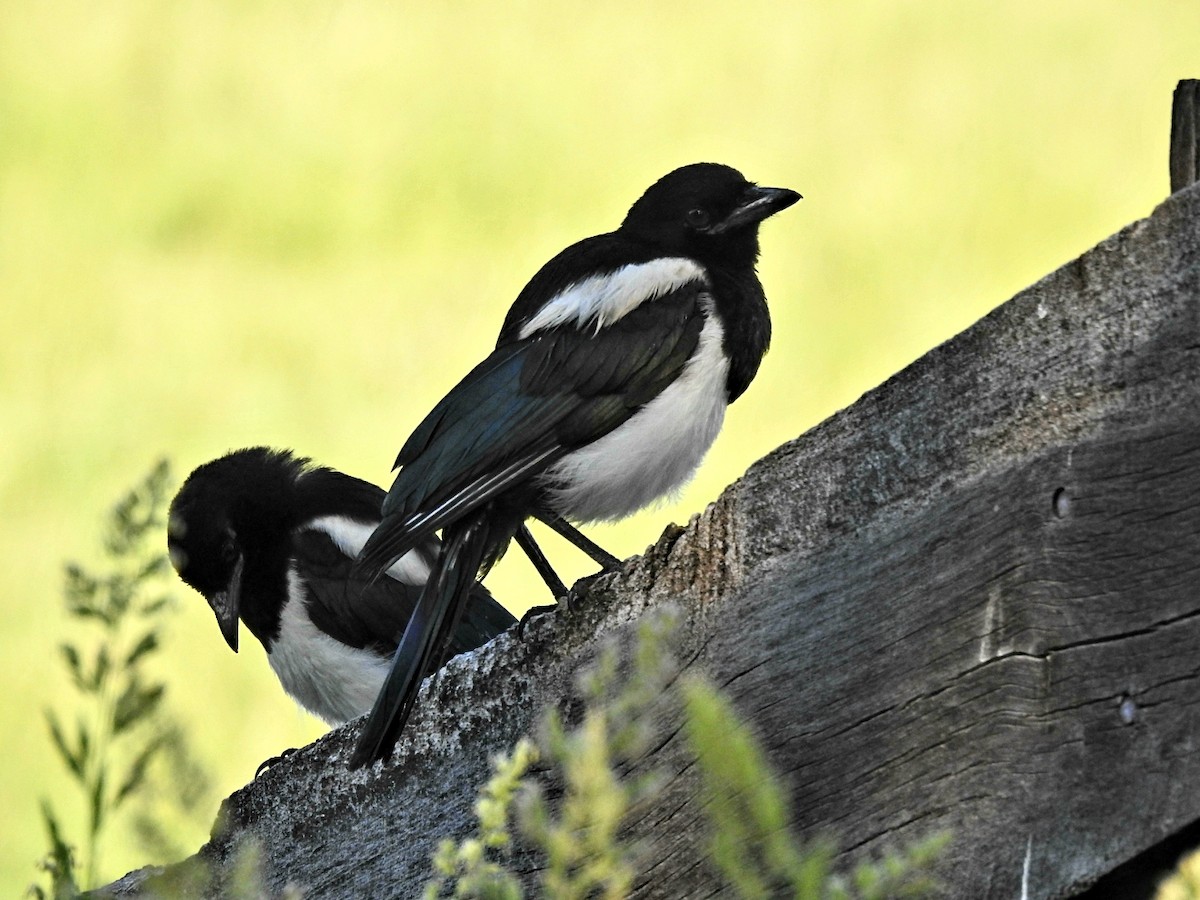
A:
(350, 535)
(603, 299)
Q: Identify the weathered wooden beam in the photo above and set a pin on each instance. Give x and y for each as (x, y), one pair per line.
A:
(1185, 134)
(968, 602)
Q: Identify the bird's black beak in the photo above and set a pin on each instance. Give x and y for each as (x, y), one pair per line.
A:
(756, 204)
(227, 603)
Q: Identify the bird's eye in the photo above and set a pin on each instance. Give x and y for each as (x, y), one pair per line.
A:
(229, 547)
(697, 218)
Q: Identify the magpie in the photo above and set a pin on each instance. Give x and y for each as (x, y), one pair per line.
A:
(269, 538)
(608, 384)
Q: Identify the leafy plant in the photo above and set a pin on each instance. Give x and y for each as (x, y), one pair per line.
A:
(750, 839)
(467, 864)
(121, 739)
(747, 809)
(1184, 882)
(751, 843)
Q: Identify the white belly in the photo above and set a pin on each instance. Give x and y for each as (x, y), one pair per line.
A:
(656, 451)
(329, 679)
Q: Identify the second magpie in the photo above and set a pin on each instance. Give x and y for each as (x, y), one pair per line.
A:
(270, 539)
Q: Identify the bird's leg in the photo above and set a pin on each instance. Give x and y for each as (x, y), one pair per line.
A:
(607, 561)
(526, 542)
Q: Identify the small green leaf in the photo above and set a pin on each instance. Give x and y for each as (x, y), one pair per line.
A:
(80, 587)
(135, 704)
(89, 613)
(70, 656)
(72, 759)
(137, 772)
(147, 644)
(156, 565)
(155, 606)
(120, 595)
(100, 670)
(61, 861)
(96, 803)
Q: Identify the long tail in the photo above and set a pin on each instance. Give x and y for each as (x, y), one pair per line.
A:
(464, 545)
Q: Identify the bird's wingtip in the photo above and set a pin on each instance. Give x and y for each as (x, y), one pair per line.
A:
(390, 540)
(371, 745)
(366, 569)
(362, 757)
(375, 558)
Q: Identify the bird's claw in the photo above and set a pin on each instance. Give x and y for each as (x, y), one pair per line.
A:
(534, 611)
(267, 763)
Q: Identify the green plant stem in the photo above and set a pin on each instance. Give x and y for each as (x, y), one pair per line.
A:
(94, 771)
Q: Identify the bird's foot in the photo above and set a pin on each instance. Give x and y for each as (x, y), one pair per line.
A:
(267, 763)
(535, 611)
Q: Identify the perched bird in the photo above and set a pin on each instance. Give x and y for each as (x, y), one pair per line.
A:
(607, 386)
(270, 539)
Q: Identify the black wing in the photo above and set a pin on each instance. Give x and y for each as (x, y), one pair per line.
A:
(373, 615)
(528, 404)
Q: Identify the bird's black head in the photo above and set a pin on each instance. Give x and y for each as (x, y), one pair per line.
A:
(707, 211)
(227, 511)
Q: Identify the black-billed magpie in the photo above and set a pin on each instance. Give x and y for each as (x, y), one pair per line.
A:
(271, 539)
(607, 386)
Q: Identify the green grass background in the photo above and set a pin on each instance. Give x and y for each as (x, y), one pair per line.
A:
(298, 223)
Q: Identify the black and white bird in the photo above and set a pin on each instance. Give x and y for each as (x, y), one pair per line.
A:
(607, 386)
(271, 539)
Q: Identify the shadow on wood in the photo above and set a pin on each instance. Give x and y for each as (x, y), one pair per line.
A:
(968, 602)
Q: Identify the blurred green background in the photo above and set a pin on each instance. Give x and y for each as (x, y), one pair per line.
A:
(299, 223)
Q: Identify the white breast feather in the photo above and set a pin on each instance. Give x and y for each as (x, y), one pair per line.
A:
(657, 450)
(329, 679)
(350, 535)
(603, 299)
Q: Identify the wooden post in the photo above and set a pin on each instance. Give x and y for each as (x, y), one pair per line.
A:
(1185, 134)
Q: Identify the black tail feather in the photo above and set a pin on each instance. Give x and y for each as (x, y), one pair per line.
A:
(439, 610)
(482, 619)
